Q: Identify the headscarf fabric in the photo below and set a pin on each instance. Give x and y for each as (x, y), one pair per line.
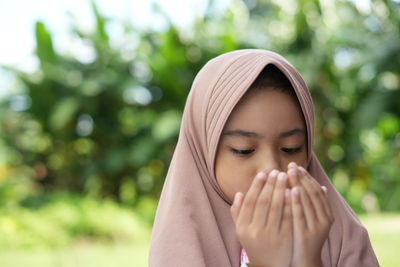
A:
(193, 225)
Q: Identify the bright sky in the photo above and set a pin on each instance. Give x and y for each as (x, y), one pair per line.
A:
(17, 19)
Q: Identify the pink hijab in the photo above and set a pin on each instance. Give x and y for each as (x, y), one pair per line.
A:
(193, 226)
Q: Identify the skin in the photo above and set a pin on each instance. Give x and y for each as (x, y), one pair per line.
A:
(268, 113)
(312, 217)
(282, 216)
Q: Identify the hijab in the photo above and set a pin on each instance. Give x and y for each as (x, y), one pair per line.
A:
(193, 225)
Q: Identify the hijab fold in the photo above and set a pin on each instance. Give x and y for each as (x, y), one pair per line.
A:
(193, 226)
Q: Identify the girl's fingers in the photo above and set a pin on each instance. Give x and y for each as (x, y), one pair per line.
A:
(318, 191)
(326, 202)
(306, 200)
(299, 220)
(293, 178)
(308, 208)
(286, 223)
(276, 208)
(315, 199)
(235, 208)
(264, 200)
(246, 211)
(323, 187)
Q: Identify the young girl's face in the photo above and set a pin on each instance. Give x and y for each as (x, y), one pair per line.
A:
(265, 131)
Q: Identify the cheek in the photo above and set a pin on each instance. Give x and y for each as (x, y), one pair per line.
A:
(300, 159)
(236, 175)
(231, 176)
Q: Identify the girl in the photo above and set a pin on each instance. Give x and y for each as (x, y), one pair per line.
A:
(244, 186)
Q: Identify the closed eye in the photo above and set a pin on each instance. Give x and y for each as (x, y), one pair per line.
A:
(242, 151)
(249, 151)
(291, 150)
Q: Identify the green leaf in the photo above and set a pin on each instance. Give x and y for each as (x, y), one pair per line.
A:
(100, 23)
(44, 44)
(63, 113)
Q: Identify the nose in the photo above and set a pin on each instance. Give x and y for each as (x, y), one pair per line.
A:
(270, 161)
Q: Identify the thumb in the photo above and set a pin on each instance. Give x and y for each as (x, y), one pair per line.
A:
(237, 203)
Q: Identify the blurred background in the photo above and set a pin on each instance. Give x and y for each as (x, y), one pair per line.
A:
(91, 97)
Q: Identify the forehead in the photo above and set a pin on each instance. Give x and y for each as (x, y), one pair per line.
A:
(268, 111)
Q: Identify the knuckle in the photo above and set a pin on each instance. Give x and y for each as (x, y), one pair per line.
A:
(241, 232)
(314, 193)
(274, 208)
(297, 204)
(324, 221)
(255, 234)
(249, 202)
(307, 200)
(263, 201)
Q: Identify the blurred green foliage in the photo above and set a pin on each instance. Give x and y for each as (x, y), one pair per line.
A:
(104, 123)
(64, 219)
(384, 230)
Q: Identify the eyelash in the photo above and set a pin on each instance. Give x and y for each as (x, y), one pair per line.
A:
(291, 150)
(242, 152)
(245, 152)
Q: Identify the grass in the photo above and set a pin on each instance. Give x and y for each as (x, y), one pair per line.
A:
(82, 255)
(384, 231)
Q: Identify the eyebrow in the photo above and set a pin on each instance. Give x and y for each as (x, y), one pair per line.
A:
(243, 133)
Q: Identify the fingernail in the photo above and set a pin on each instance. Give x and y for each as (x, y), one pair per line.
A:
(273, 173)
(260, 175)
(295, 191)
(324, 188)
(282, 176)
(292, 165)
(292, 172)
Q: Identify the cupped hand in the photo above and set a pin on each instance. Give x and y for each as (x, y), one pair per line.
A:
(263, 220)
(312, 217)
